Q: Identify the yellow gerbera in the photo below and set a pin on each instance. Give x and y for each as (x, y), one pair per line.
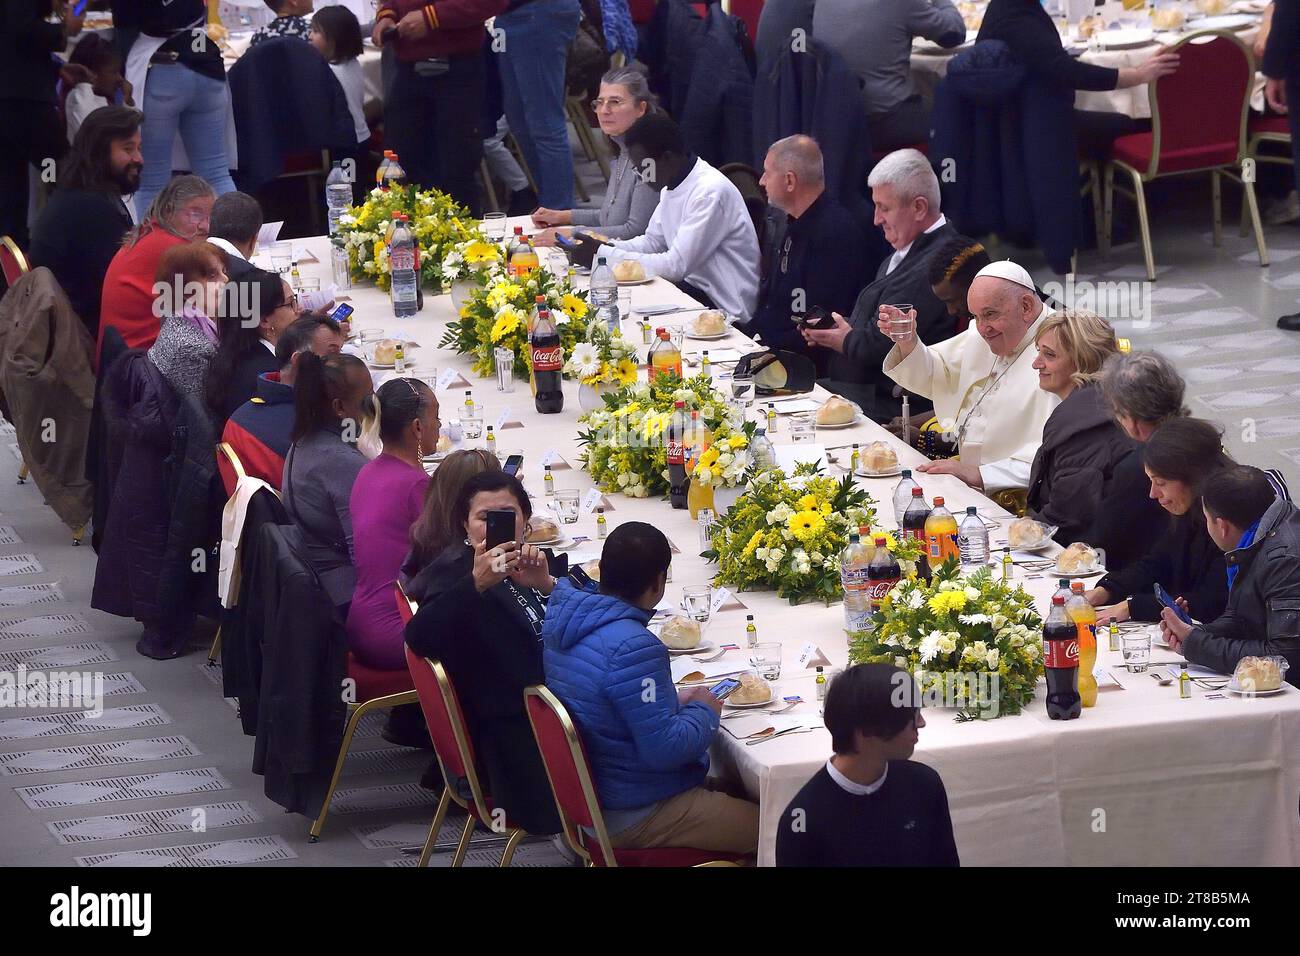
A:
(947, 601)
(808, 503)
(806, 525)
(625, 372)
(507, 322)
(737, 441)
(480, 252)
(575, 307)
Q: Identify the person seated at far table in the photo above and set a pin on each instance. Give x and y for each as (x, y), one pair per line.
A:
(983, 383)
(870, 805)
(290, 20)
(821, 259)
(1260, 534)
(233, 227)
(700, 236)
(648, 743)
(1179, 457)
(1073, 475)
(259, 430)
(905, 192)
(258, 308)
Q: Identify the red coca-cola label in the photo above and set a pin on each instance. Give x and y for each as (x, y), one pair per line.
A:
(879, 589)
(1061, 653)
(676, 452)
(917, 534)
(548, 358)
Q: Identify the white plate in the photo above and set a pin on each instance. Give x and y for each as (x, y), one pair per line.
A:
(704, 647)
(1226, 22)
(705, 338)
(1125, 38)
(1236, 688)
(549, 542)
(776, 699)
(857, 420)
(1057, 572)
(863, 473)
(635, 282)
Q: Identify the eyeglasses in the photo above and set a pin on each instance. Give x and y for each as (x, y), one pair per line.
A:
(613, 102)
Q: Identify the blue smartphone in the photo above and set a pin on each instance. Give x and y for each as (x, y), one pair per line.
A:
(564, 241)
(1163, 597)
(80, 8)
(723, 688)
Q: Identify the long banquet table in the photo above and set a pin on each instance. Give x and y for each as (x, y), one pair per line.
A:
(1142, 778)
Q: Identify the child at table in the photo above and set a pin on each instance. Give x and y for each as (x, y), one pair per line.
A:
(92, 78)
(336, 35)
(290, 20)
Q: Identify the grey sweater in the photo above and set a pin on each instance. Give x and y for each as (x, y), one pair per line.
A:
(319, 472)
(875, 39)
(628, 204)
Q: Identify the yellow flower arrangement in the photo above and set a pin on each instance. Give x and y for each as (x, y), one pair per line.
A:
(806, 525)
(439, 226)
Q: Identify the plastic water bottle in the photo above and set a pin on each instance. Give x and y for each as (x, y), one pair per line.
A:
(903, 495)
(973, 540)
(762, 456)
(855, 562)
(394, 176)
(604, 294)
(401, 259)
(338, 195)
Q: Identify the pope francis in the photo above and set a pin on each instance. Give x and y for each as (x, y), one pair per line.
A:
(982, 381)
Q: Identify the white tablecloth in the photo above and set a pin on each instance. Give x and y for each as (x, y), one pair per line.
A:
(1142, 778)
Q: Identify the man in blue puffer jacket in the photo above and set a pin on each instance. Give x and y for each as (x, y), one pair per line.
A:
(648, 743)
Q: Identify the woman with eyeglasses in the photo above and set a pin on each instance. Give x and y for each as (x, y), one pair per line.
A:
(179, 214)
(624, 98)
(257, 309)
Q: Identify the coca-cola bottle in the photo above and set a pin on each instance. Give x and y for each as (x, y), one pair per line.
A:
(914, 518)
(1061, 660)
(679, 483)
(882, 574)
(548, 360)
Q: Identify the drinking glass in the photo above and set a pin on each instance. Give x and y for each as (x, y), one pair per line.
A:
(706, 520)
(676, 334)
(742, 388)
(494, 226)
(370, 336)
(1136, 648)
(282, 257)
(471, 422)
(505, 370)
(698, 600)
(566, 505)
(766, 659)
(902, 320)
(803, 430)
(308, 284)
(625, 302)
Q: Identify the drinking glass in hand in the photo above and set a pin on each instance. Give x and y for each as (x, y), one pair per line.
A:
(901, 320)
(766, 659)
(698, 600)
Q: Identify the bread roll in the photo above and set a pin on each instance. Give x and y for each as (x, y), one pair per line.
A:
(629, 270)
(386, 351)
(710, 322)
(878, 456)
(1078, 558)
(1168, 18)
(1026, 533)
(542, 530)
(752, 690)
(680, 633)
(1258, 674)
(444, 443)
(836, 411)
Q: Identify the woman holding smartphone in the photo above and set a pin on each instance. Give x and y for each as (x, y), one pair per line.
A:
(482, 607)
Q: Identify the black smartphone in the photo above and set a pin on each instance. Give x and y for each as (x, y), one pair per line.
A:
(500, 528)
(723, 688)
(817, 318)
(342, 312)
(513, 464)
(1163, 597)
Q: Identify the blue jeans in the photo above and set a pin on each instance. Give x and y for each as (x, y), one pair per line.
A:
(178, 98)
(537, 38)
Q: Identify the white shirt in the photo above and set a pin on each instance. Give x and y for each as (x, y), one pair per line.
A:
(850, 786)
(701, 233)
(354, 89)
(81, 102)
(899, 255)
(270, 346)
(227, 247)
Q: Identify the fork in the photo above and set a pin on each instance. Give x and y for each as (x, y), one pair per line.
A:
(710, 659)
(779, 733)
(766, 713)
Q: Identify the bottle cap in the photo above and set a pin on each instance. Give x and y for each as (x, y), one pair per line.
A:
(938, 502)
(907, 472)
(880, 541)
(679, 404)
(705, 353)
(489, 428)
(970, 509)
(662, 333)
(760, 431)
(1077, 587)
(1065, 582)
(916, 492)
(1058, 600)
(548, 467)
(541, 298)
(600, 511)
(819, 670)
(519, 230)
(855, 445)
(600, 261)
(1183, 665)
(749, 617)
(853, 537)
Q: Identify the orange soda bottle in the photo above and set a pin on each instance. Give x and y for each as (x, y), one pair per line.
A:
(1084, 616)
(940, 535)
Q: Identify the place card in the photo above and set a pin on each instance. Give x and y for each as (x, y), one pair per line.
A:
(553, 458)
(317, 300)
(511, 425)
(793, 406)
(720, 597)
(501, 419)
(810, 655)
(269, 232)
(590, 500)
(303, 254)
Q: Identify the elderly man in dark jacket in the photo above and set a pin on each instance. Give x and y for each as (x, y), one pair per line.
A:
(1261, 535)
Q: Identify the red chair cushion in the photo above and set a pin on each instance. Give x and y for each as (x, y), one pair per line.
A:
(642, 10)
(1270, 124)
(1135, 149)
(373, 683)
(662, 856)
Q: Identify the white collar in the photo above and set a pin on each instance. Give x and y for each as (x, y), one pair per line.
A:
(697, 170)
(850, 786)
(226, 247)
(270, 346)
(901, 254)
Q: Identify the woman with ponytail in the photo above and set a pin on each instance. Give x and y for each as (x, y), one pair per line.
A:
(386, 499)
(323, 463)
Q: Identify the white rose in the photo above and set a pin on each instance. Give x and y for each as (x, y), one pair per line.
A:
(992, 659)
(972, 594)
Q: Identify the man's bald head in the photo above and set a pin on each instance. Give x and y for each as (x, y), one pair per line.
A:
(793, 173)
(1003, 311)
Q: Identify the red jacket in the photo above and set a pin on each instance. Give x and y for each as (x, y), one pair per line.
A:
(128, 300)
(455, 26)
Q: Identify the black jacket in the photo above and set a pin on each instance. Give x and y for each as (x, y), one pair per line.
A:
(27, 43)
(1129, 518)
(1282, 51)
(76, 236)
(1186, 562)
(492, 651)
(822, 255)
(1263, 614)
(856, 372)
(304, 661)
(1071, 478)
(1027, 29)
(717, 115)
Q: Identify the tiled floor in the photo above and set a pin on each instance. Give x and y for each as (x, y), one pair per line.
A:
(163, 778)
